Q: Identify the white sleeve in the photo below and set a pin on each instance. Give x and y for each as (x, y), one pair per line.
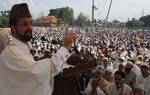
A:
(99, 91)
(139, 80)
(88, 88)
(60, 58)
(18, 60)
(58, 61)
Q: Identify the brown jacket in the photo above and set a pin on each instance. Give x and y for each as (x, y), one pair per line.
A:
(67, 83)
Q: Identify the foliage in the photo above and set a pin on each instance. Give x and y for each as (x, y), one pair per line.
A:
(82, 20)
(66, 13)
(4, 19)
(146, 20)
(135, 23)
(115, 23)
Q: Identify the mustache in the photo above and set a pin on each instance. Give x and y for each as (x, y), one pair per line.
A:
(28, 34)
(28, 31)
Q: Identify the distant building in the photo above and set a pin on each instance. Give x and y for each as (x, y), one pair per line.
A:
(49, 21)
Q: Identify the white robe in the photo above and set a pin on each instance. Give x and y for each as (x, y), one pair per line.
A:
(21, 75)
(112, 89)
(89, 88)
(144, 82)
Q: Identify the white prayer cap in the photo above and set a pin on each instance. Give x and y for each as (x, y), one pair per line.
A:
(100, 67)
(140, 56)
(123, 58)
(110, 69)
(147, 55)
(129, 62)
(144, 65)
(105, 58)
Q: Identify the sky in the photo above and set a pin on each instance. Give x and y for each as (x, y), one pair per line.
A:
(121, 10)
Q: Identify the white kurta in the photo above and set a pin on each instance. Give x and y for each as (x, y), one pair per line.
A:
(89, 89)
(21, 75)
(145, 82)
(112, 90)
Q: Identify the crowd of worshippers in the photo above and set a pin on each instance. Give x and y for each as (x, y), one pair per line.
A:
(111, 43)
(123, 58)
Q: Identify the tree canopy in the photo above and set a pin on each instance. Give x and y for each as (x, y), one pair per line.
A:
(135, 23)
(146, 20)
(82, 20)
(65, 13)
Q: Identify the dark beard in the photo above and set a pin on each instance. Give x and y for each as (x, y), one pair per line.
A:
(127, 70)
(118, 86)
(24, 38)
(27, 37)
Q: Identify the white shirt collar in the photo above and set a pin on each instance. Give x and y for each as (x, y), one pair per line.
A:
(19, 43)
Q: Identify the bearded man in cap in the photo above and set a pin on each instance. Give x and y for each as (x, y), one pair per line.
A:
(20, 74)
(130, 78)
(144, 79)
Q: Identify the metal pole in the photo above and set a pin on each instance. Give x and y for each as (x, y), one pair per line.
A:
(142, 12)
(92, 11)
(109, 10)
(105, 23)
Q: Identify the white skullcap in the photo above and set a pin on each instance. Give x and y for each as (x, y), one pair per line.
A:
(123, 58)
(105, 58)
(110, 69)
(100, 67)
(144, 64)
(129, 62)
(140, 56)
(146, 55)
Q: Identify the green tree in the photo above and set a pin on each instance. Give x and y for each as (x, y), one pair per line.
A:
(115, 23)
(82, 20)
(138, 24)
(135, 23)
(66, 13)
(129, 24)
(122, 24)
(146, 20)
(4, 19)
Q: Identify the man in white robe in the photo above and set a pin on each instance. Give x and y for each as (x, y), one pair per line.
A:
(144, 79)
(97, 84)
(118, 87)
(20, 74)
